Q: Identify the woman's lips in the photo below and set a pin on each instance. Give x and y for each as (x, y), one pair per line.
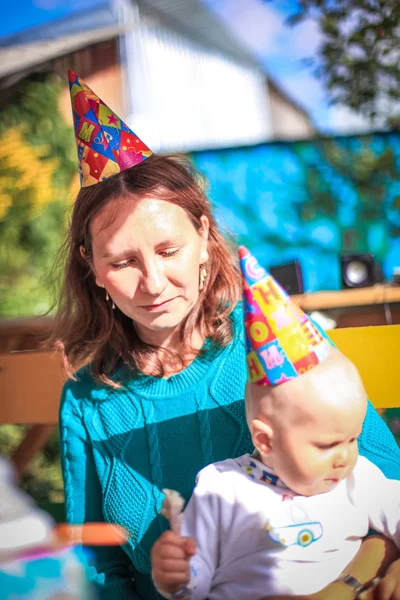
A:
(158, 307)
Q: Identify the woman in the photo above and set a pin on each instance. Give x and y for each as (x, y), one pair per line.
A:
(175, 352)
(150, 311)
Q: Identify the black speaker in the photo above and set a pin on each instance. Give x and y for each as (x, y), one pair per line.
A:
(289, 276)
(360, 270)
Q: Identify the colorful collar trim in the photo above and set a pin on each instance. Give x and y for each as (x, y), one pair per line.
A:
(256, 470)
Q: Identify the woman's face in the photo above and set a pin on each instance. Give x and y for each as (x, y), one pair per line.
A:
(148, 260)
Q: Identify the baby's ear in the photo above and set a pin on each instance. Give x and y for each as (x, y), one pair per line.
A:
(262, 435)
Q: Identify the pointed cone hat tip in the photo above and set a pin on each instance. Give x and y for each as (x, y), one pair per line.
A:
(243, 252)
(106, 145)
(282, 341)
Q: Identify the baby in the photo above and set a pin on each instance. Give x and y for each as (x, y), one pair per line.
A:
(289, 518)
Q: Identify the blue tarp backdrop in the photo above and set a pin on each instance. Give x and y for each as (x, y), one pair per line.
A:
(311, 200)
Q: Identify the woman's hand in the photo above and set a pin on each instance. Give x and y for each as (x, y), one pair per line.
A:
(170, 561)
(334, 591)
(389, 586)
(378, 555)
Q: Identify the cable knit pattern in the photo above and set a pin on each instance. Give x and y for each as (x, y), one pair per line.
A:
(379, 446)
(205, 430)
(121, 447)
(221, 387)
(68, 471)
(154, 450)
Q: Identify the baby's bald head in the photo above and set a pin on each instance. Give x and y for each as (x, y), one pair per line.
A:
(335, 383)
(306, 429)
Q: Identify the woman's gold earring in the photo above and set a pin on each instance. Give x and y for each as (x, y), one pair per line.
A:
(108, 298)
(203, 275)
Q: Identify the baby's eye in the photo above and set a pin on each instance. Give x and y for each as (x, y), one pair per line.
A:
(327, 446)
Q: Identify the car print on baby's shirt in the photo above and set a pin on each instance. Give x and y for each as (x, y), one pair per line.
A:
(300, 534)
(301, 531)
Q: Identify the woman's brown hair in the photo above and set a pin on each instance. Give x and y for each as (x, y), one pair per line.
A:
(86, 328)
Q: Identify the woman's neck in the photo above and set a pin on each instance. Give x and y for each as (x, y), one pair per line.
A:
(170, 339)
(173, 362)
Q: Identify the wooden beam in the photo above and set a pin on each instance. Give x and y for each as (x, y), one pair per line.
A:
(30, 388)
(19, 335)
(377, 294)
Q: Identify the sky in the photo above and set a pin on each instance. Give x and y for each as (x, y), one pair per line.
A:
(281, 49)
(259, 25)
(32, 13)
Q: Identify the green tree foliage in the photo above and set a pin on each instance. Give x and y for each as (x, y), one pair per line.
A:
(37, 167)
(358, 59)
(37, 163)
(42, 479)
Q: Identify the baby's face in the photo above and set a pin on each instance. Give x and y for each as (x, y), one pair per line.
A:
(314, 456)
(315, 421)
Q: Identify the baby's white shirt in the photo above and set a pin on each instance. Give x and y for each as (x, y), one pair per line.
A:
(256, 537)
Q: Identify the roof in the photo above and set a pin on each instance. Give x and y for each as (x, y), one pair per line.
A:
(97, 18)
(279, 90)
(24, 57)
(21, 52)
(192, 19)
(25, 50)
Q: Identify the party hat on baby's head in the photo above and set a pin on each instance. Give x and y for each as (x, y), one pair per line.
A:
(282, 342)
(106, 145)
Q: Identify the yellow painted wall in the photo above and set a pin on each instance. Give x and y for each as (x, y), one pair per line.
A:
(375, 352)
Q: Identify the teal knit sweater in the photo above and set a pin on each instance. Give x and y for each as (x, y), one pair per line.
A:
(121, 447)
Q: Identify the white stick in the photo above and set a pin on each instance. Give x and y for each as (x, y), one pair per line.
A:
(172, 507)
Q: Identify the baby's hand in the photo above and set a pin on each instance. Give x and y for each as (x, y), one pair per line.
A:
(170, 557)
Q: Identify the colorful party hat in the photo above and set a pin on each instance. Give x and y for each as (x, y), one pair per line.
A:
(106, 145)
(281, 341)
